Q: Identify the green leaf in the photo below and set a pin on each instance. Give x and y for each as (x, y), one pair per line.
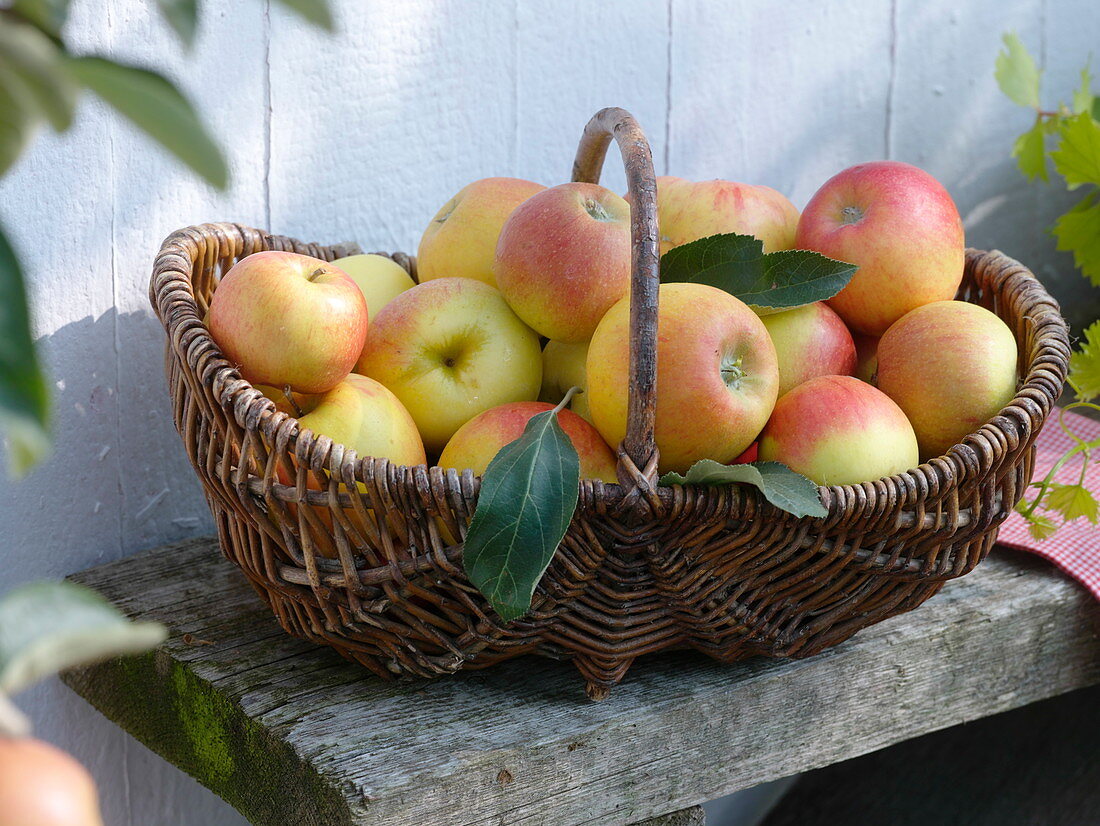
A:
(1084, 365)
(1030, 152)
(18, 119)
(1083, 97)
(31, 59)
(528, 495)
(1077, 157)
(183, 17)
(24, 402)
(1017, 74)
(47, 15)
(1072, 501)
(1078, 231)
(772, 281)
(780, 485)
(152, 103)
(1040, 527)
(316, 12)
(46, 627)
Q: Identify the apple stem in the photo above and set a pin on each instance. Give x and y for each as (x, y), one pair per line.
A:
(13, 722)
(291, 402)
(568, 397)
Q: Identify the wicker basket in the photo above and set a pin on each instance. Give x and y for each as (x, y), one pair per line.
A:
(366, 557)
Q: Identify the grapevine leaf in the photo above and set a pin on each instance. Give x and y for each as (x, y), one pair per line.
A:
(153, 104)
(1078, 231)
(780, 485)
(1040, 527)
(1083, 97)
(183, 17)
(24, 402)
(1030, 153)
(46, 627)
(527, 499)
(1084, 365)
(1077, 157)
(1017, 74)
(738, 265)
(1072, 502)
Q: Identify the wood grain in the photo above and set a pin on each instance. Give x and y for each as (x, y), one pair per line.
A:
(279, 727)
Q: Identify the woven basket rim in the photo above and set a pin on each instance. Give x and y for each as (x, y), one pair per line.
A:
(254, 411)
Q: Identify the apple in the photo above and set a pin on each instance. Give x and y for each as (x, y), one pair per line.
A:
(563, 259)
(687, 211)
(810, 341)
(381, 279)
(951, 366)
(285, 318)
(751, 454)
(461, 240)
(838, 430)
(40, 785)
(900, 227)
(866, 357)
(449, 349)
(562, 368)
(717, 375)
(475, 443)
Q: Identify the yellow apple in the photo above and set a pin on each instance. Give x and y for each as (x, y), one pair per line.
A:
(449, 349)
(717, 375)
(562, 368)
(461, 240)
(381, 279)
(476, 443)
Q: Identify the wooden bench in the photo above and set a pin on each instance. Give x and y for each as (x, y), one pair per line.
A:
(290, 733)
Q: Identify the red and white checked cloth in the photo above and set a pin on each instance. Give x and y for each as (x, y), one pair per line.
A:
(1076, 547)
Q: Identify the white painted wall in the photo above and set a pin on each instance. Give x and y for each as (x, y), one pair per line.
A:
(362, 136)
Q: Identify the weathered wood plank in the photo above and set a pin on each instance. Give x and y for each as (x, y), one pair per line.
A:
(1032, 765)
(284, 730)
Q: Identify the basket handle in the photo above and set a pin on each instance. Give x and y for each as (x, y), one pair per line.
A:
(637, 467)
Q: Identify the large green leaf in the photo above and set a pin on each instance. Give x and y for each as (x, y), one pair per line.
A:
(528, 495)
(1077, 157)
(183, 17)
(1017, 74)
(48, 15)
(780, 485)
(24, 402)
(772, 281)
(1078, 231)
(47, 627)
(152, 103)
(30, 58)
(1030, 152)
(316, 12)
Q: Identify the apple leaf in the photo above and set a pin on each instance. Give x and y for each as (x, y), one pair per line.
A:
(1017, 74)
(316, 12)
(1077, 157)
(1084, 365)
(29, 59)
(528, 496)
(46, 627)
(780, 485)
(1078, 231)
(770, 281)
(1072, 502)
(1030, 152)
(47, 15)
(183, 17)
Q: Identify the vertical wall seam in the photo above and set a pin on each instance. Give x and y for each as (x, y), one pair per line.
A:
(1034, 192)
(517, 118)
(888, 137)
(668, 95)
(266, 193)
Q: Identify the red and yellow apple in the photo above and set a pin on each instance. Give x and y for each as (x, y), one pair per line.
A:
(449, 349)
(562, 368)
(40, 785)
(810, 341)
(285, 318)
(687, 211)
(951, 366)
(838, 430)
(380, 279)
(476, 443)
(461, 240)
(563, 259)
(900, 227)
(717, 375)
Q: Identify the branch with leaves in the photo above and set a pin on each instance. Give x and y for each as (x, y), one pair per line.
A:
(1066, 137)
(41, 81)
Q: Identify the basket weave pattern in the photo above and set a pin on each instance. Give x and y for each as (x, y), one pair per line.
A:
(363, 556)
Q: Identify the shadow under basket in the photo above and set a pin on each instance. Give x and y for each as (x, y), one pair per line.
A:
(366, 557)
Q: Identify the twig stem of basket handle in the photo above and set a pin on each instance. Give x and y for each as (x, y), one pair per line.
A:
(638, 452)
